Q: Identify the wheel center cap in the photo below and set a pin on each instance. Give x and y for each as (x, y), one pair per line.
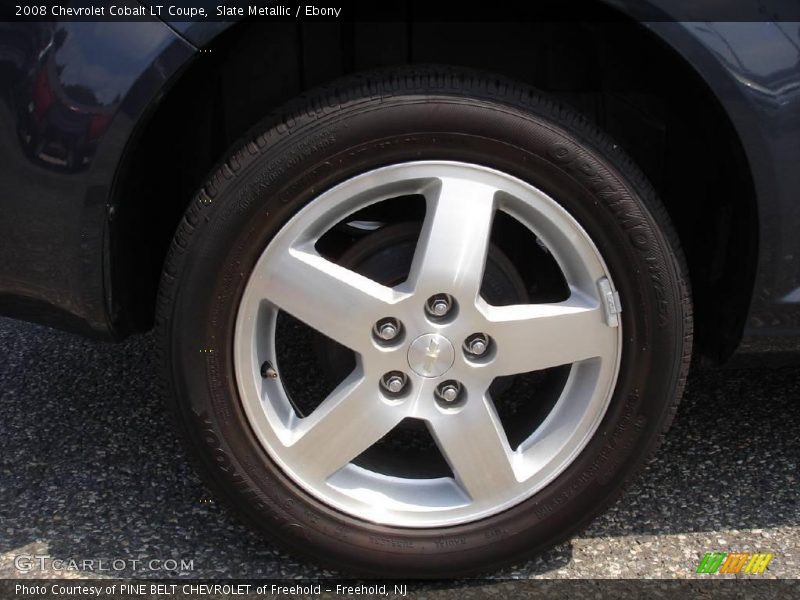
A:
(431, 355)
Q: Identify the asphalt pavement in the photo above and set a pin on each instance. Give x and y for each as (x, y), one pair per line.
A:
(90, 470)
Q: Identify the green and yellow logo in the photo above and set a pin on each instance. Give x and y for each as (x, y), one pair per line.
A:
(735, 562)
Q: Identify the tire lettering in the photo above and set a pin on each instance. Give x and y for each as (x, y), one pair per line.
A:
(639, 233)
(390, 542)
(623, 438)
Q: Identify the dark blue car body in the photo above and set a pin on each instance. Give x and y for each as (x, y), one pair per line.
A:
(82, 105)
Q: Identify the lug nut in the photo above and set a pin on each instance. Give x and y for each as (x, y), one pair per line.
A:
(440, 308)
(477, 344)
(388, 332)
(387, 329)
(439, 305)
(449, 391)
(477, 347)
(394, 382)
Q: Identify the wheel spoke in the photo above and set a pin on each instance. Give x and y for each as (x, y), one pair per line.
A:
(475, 445)
(328, 297)
(451, 252)
(532, 337)
(350, 420)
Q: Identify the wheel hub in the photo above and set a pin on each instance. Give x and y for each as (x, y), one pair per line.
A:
(431, 355)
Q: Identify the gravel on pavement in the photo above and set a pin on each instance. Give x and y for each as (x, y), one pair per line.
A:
(90, 469)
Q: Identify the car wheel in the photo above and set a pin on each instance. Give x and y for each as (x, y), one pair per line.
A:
(424, 323)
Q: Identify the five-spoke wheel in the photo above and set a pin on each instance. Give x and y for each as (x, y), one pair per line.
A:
(429, 348)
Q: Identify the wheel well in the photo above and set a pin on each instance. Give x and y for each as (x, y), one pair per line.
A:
(617, 73)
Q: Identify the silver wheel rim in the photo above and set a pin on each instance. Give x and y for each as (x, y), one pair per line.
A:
(316, 451)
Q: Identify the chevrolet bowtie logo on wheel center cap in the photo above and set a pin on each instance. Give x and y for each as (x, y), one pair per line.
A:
(431, 355)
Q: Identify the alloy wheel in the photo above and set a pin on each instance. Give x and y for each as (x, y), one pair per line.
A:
(428, 349)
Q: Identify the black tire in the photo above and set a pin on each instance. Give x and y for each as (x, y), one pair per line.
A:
(377, 119)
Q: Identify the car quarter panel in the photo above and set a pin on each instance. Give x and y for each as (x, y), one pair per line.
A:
(754, 70)
(71, 94)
